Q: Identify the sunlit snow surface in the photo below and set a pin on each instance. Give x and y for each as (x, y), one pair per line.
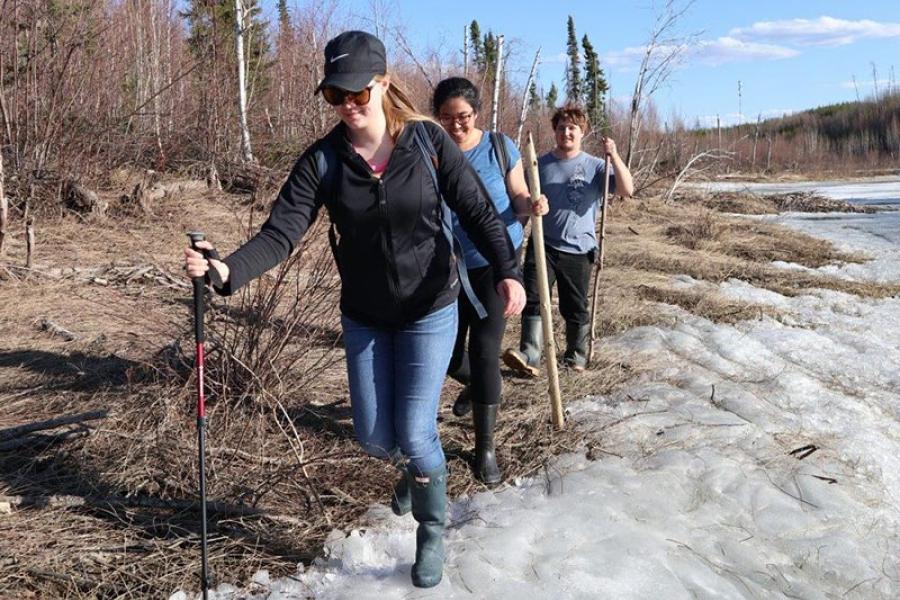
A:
(694, 491)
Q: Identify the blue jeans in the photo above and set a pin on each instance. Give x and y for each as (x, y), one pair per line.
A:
(395, 378)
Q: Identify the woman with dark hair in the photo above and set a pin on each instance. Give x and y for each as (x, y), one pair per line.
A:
(381, 174)
(494, 157)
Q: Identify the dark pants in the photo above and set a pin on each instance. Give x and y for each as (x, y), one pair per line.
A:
(479, 368)
(572, 275)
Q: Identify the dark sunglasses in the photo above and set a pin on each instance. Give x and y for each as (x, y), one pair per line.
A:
(336, 96)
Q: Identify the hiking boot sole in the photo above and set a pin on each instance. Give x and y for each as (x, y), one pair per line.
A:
(512, 360)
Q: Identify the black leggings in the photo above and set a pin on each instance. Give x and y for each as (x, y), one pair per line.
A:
(479, 368)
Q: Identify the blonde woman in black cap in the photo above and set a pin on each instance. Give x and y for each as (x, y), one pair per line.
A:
(387, 176)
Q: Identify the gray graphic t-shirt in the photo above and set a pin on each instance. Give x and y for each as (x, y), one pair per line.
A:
(574, 188)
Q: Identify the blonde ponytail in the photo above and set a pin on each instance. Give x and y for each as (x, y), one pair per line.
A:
(398, 108)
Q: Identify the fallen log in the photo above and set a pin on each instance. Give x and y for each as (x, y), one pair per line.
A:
(64, 501)
(20, 430)
(39, 439)
(52, 328)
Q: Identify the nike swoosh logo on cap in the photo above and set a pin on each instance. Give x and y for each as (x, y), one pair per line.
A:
(338, 57)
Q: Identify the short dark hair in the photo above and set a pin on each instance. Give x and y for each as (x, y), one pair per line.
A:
(455, 87)
(571, 112)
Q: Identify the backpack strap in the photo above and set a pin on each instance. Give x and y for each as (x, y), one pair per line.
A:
(429, 155)
(499, 145)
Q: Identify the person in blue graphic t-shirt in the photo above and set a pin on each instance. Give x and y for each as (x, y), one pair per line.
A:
(496, 160)
(572, 180)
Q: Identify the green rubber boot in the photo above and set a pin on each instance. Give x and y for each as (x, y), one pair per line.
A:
(429, 508)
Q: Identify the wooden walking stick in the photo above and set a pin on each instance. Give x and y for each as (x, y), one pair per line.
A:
(540, 259)
(599, 266)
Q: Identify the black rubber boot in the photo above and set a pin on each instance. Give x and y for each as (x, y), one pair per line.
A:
(463, 403)
(577, 339)
(484, 417)
(429, 508)
(527, 359)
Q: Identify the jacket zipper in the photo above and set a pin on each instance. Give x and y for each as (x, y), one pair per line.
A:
(386, 243)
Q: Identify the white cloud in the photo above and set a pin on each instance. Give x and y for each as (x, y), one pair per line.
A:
(824, 31)
(777, 112)
(729, 119)
(713, 52)
(729, 49)
(555, 59)
(764, 40)
(631, 57)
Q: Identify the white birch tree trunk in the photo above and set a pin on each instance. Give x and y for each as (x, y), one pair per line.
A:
(242, 87)
(526, 97)
(498, 76)
(465, 50)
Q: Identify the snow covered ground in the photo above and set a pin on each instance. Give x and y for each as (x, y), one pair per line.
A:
(760, 460)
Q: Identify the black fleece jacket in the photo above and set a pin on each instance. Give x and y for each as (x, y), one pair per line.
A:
(395, 263)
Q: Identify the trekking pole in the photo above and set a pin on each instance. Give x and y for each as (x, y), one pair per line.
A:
(540, 259)
(601, 251)
(199, 306)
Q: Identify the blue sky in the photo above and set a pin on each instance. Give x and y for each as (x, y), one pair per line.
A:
(788, 55)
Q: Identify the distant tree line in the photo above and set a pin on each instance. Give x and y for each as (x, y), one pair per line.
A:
(843, 136)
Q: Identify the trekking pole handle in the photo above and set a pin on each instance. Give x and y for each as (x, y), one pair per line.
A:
(212, 276)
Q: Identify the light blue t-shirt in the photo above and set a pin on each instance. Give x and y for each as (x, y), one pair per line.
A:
(484, 160)
(574, 188)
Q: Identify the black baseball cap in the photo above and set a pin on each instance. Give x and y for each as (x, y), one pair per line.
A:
(351, 60)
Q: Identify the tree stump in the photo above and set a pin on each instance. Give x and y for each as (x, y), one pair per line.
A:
(80, 199)
(145, 193)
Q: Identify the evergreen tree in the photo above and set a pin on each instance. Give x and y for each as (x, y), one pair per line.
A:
(475, 45)
(595, 86)
(489, 56)
(552, 97)
(211, 39)
(284, 16)
(534, 98)
(211, 31)
(574, 84)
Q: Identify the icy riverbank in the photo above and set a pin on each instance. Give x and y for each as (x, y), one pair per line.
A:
(757, 460)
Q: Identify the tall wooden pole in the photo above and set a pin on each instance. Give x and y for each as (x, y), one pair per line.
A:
(540, 259)
(29, 242)
(4, 209)
(602, 253)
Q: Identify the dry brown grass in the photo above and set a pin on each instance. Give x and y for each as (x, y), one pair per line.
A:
(283, 465)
